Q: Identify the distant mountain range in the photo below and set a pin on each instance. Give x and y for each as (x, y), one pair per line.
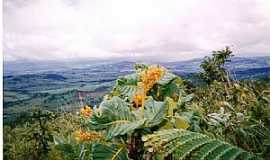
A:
(240, 68)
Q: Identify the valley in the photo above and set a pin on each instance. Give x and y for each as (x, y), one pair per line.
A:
(63, 86)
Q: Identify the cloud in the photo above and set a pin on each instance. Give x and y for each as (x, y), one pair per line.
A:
(164, 30)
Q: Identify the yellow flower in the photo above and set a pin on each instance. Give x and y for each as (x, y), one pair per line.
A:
(148, 79)
(87, 136)
(150, 76)
(86, 111)
(138, 100)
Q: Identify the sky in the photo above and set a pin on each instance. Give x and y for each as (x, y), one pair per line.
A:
(167, 30)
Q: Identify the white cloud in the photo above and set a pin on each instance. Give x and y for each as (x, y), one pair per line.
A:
(164, 30)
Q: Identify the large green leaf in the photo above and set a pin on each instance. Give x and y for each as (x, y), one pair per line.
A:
(115, 116)
(180, 122)
(169, 86)
(109, 152)
(127, 86)
(175, 122)
(154, 112)
(193, 118)
(122, 128)
(183, 144)
(167, 77)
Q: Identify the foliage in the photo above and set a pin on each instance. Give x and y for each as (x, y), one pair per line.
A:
(237, 112)
(152, 114)
(213, 68)
(184, 144)
(37, 135)
(34, 140)
(163, 107)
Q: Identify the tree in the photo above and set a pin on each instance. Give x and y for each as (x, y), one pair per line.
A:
(213, 67)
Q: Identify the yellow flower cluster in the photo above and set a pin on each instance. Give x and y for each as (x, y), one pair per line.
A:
(86, 111)
(138, 100)
(150, 76)
(87, 136)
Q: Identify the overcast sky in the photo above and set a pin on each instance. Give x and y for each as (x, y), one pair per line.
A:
(141, 29)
